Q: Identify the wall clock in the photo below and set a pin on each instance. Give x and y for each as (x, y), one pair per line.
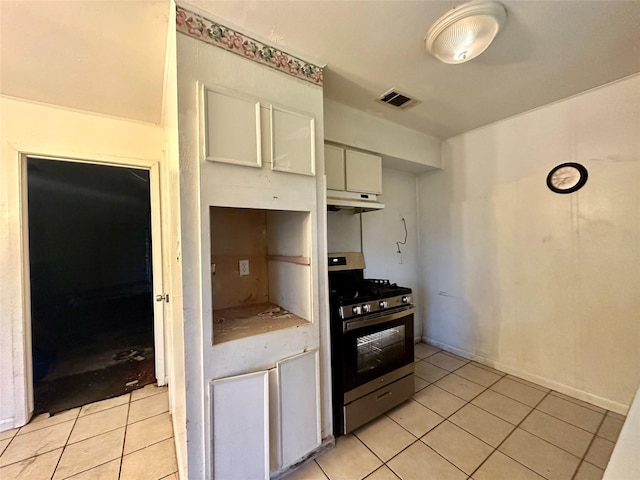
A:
(567, 177)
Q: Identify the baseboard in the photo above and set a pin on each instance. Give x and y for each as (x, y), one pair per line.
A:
(327, 444)
(7, 424)
(545, 382)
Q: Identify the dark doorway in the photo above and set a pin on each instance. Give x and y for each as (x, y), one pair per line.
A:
(91, 282)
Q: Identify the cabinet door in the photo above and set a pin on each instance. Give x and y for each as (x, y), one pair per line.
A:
(334, 167)
(231, 128)
(299, 392)
(240, 408)
(293, 144)
(364, 172)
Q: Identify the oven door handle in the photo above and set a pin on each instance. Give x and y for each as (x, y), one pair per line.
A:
(366, 322)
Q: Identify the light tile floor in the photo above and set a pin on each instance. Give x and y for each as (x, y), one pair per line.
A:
(469, 421)
(129, 438)
(465, 421)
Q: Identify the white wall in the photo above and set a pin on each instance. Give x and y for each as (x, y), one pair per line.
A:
(539, 284)
(46, 130)
(380, 232)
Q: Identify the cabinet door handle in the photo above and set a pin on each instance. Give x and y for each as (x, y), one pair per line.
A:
(385, 394)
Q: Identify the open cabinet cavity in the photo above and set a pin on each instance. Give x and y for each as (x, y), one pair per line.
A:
(260, 271)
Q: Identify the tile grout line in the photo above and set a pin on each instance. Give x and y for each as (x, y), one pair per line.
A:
(101, 464)
(487, 368)
(508, 436)
(322, 469)
(97, 434)
(64, 447)
(88, 469)
(150, 445)
(382, 466)
(514, 379)
(10, 440)
(547, 393)
(124, 440)
(441, 456)
(508, 398)
(569, 423)
(583, 404)
(75, 421)
(547, 441)
(39, 453)
(468, 402)
(374, 453)
(131, 400)
(419, 439)
(468, 379)
(147, 418)
(586, 452)
(104, 409)
(423, 406)
(527, 383)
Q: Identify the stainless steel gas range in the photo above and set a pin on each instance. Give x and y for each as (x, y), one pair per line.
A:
(371, 343)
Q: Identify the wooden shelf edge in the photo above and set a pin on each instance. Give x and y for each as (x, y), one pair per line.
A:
(285, 258)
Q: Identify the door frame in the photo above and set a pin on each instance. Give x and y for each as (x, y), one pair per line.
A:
(153, 167)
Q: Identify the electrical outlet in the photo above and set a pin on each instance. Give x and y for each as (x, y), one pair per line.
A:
(243, 267)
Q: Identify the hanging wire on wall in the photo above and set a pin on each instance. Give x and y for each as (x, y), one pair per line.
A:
(404, 242)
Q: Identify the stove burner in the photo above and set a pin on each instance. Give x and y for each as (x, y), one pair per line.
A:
(367, 291)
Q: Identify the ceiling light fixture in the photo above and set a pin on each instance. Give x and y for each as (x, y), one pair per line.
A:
(466, 31)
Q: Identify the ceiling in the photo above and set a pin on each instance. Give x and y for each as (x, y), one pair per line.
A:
(102, 57)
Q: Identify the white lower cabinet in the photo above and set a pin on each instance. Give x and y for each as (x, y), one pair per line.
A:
(295, 414)
(240, 430)
(266, 421)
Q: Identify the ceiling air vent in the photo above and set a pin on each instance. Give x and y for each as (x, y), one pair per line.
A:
(396, 99)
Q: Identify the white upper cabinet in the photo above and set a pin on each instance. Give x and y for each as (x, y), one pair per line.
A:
(352, 171)
(233, 133)
(364, 172)
(334, 167)
(292, 141)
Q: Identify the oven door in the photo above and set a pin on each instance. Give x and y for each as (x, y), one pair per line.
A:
(375, 345)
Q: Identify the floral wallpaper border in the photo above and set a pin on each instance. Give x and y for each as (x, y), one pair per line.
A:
(216, 34)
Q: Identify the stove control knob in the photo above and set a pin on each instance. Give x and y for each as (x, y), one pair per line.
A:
(405, 299)
(356, 310)
(366, 308)
(383, 304)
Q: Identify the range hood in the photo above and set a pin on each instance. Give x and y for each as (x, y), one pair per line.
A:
(350, 202)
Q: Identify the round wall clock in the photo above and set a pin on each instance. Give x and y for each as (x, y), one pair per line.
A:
(567, 177)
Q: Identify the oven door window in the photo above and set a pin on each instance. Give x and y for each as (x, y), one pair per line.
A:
(376, 350)
(379, 348)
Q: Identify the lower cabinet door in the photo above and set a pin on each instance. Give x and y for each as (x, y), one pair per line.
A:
(240, 409)
(298, 407)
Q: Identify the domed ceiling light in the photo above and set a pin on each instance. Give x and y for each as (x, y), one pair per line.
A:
(466, 31)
